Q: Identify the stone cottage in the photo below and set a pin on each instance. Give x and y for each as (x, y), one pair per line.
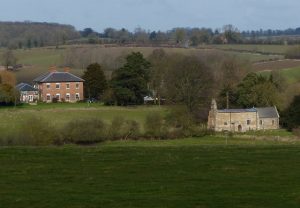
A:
(242, 120)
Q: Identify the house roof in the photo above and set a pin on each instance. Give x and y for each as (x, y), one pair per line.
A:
(267, 112)
(58, 77)
(237, 110)
(25, 87)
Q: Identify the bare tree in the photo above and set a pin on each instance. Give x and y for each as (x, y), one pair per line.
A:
(8, 58)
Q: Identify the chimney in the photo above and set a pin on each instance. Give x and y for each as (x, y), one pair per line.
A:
(67, 69)
(52, 69)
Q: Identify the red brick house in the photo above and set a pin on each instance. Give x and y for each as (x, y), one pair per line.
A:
(60, 86)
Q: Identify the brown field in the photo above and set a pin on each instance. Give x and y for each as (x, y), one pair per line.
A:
(276, 65)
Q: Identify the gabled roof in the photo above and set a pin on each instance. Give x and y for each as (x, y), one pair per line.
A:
(58, 77)
(25, 87)
(268, 112)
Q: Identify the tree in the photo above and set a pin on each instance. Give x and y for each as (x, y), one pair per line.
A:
(158, 63)
(7, 77)
(8, 94)
(290, 117)
(130, 82)
(231, 34)
(95, 81)
(8, 58)
(256, 90)
(232, 71)
(188, 81)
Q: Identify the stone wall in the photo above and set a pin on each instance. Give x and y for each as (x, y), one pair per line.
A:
(236, 122)
(268, 123)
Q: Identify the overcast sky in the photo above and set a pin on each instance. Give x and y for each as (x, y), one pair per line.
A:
(156, 14)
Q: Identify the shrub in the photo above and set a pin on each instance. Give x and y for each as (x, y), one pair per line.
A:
(85, 131)
(293, 53)
(155, 126)
(124, 129)
(116, 128)
(36, 131)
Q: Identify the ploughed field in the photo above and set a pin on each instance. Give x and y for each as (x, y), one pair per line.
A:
(199, 172)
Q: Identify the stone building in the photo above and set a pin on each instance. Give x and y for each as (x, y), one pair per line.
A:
(242, 120)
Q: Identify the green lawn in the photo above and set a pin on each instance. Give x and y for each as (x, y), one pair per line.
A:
(176, 173)
(292, 75)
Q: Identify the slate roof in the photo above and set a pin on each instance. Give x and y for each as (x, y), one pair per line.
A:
(25, 87)
(267, 112)
(237, 110)
(58, 77)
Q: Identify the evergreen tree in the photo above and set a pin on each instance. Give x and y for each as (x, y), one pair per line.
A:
(129, 83)
(95, 81)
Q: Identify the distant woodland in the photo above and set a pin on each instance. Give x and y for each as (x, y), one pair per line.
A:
(32, 34)
(35, 34)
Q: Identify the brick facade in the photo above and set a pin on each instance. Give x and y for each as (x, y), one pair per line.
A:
(67, 91)
(62, 86)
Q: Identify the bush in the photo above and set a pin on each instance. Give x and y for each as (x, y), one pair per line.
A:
(85, 131)
(293, 53)
(155, 126)
(36, 131)
(124, 129)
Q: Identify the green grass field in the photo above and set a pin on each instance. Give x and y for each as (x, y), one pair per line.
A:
(59, 114)
(177, 173)
(292, 75)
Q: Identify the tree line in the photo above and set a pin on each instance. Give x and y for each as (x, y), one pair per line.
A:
(192, 36)
(35, 34)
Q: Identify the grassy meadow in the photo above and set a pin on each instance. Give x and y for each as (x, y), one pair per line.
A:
(37, 61)
(59, 114)
(199, 172)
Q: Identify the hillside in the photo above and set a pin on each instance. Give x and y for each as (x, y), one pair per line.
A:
(33, 34)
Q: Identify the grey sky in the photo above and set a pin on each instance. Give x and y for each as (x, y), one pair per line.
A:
(156, 14)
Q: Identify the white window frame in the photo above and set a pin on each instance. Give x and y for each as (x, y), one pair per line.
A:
(67, 84)
(58, 88)
(57, 96)
(77, 85)
(77, 94)
(48, 95)
(30, 98)
(68, 95)
(48, 85)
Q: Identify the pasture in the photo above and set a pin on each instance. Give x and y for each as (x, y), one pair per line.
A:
(59, 114)
(199, 172)
(37, 61)
(265, 49)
